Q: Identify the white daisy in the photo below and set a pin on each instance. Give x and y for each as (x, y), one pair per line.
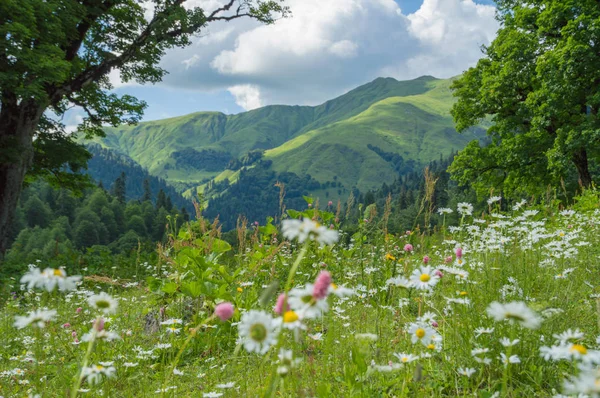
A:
(515, 311)
(49, 279)
(308, 229)
(104, 303)
(258, 331)
(302, 301)
(420, 332)
(94, 373)
(424, 278)
(406, 358)
(36, 318)
(506, 360)
(466, 371)
(464, 209)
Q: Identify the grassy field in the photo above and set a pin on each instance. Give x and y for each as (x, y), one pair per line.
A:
(437, 334)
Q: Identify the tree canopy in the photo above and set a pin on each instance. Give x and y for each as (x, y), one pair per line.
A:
(56, 54)
(538, 86)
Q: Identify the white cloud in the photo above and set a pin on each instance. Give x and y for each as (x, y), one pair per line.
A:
(344, 48)
(247, 96)
(330, 46)
(193, 60)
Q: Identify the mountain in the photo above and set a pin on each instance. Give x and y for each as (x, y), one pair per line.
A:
(368, 136)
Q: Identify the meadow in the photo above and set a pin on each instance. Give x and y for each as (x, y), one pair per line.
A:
(503, 303)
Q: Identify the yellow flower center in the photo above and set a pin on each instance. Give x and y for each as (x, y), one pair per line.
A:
(425, 278)
(459, 261)
(404, 359)
(99, 367)
(290, 316)
(579, 348)
(420, 333)
(239, 289)
(463, 293)
(562, 234)
(388, 256)
(59, 272)
(431, 346)
(334, 286)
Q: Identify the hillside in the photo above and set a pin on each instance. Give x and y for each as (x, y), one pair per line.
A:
(361, 139)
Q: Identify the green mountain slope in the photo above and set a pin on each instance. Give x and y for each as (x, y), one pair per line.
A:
(416, 127)
(362, 138)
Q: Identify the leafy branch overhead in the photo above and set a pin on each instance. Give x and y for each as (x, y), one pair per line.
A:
(538, 85)
(57, 54)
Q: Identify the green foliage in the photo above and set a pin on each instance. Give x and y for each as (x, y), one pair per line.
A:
(538, 85)
(53, 222)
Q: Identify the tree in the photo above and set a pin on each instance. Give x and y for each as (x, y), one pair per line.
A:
(539, 86)
(118, 188)
(58, 53)
(147, 191)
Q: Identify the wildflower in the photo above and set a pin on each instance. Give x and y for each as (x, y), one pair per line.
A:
(424, 278)
(103, 302)
(388, 256)
(465, 209)
(177, 372)
(321, 287)
(586, 382)
(224, 311)
(366, 336)
(278, 309)
(444, 210)
(49, 279)
(494, 199)
(459, 252)
(231, 384)
(515, 311)
(391, 366)
(258, 331)
(302, 301)
(466, 371)
(173, 330)
(100, 335)
(94, 373)
(37, 318)
(399, 281)
(308, 229)
(292, 321)
(408, 248)
(420, 332)
(406, 358)
(569, 335)
(512, 359)
(506, 342)
(426, 260)
(286, 361)
(340, 291)
(172, 321)
(212, 394)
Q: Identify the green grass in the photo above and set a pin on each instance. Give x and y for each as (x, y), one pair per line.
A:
(516, 258)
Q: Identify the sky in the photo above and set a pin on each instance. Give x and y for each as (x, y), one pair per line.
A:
(325, 49)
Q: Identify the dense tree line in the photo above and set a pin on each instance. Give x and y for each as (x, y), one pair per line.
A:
(206, 159)
(106, 166)
(50, 222)
(256, 197)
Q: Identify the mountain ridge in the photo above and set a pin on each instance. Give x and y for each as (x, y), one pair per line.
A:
(329, 142)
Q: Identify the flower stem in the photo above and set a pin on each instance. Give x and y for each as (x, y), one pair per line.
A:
(192, 333)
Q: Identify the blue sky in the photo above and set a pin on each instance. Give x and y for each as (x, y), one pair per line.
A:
(327, 48)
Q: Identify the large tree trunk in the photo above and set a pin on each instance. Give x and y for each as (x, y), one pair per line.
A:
(17, 127)
(580, 160)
